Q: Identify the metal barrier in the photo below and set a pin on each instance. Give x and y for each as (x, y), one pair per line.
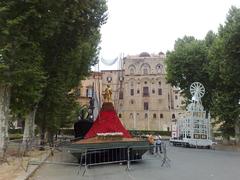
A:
(113, 155)
(101, 156)
(165, 161)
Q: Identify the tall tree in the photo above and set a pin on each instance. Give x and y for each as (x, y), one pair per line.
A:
(4, 116)
(69, 52)
(19, 35)
(224, 70)
(46, 48)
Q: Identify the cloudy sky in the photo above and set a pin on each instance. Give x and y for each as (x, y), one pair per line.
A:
(134, 26)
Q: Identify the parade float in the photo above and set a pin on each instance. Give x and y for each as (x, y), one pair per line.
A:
(193, 129)
(108, 136)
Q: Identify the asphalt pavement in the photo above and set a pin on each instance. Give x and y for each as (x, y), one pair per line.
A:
(186, 164)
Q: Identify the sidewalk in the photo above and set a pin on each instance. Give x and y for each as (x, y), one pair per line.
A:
(24, 175)
(17, 168)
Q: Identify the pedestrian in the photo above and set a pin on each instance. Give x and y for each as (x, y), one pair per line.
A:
(151, 143)
(158, 145)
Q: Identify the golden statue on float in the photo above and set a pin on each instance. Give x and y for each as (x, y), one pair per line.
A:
(107, 95)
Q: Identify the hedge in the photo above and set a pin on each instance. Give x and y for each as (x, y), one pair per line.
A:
(145, 132)
(15, 131)
(15, 136)
(69, 132)
(133, 132)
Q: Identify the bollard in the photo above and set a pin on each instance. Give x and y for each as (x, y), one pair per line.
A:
(128, 159)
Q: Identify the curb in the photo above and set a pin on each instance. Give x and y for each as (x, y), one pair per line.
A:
(231, 149)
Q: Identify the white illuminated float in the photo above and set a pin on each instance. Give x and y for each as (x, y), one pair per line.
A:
(193, 129)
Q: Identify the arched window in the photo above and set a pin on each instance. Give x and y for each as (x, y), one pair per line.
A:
(173, 116)
(120, 115)
(145, 106)
(132, 92)
(131, 116)
(131, 69)
(109, 79)
(89, 91)
(145, 91)
(159, 91)
(145, 69)
(121, 94)
(131, 101)
(154, 115)
(146, 115)
(159, 68)
(131, 83)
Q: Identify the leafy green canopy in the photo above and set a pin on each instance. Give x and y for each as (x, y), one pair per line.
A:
(188, 63)
(215, 62)
(224, 70)
(47, 47)
(21, 56)
(69, 51)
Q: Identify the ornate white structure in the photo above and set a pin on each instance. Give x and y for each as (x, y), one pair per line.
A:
(194, 129)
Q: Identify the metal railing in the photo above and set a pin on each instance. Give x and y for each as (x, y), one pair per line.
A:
(94, 157)
(86, 157)
(102, 156)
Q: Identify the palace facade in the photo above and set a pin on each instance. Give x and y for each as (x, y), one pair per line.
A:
(142, 98)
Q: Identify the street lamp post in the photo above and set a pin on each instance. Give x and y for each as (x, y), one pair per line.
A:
(91, 109)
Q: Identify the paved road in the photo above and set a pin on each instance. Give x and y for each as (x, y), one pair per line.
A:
(186, 164)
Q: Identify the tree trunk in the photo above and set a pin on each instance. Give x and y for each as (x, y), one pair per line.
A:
(28, 135)
(50, 137)
(237, 131)
(226, 139)
(4, 117)
(42, 138)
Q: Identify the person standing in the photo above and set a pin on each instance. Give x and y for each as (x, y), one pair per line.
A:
(151, 143)
(158, 145)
